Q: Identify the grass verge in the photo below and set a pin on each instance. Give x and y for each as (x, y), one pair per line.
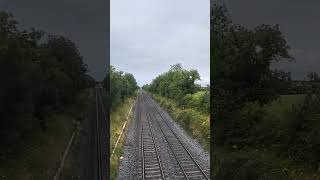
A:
(117, 119)
(42, 151)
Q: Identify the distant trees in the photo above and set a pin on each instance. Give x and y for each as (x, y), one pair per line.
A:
(177, 91)
(122, 85)
(180, 85)
(313, 77)
(39, 74)
(175, 83)
(281, 82)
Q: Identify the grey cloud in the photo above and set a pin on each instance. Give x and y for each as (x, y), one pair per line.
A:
(147, 37)
(298, 21)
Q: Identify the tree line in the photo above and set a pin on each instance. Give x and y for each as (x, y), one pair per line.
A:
(180, 84)
(122, 85)
(40, 74)
(187, 102)
(243, 84)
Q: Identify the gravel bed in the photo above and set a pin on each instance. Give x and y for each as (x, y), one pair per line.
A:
(129, 166)
(169, 164)
(194, 147)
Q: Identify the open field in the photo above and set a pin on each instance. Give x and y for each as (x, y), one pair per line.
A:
(281, 107)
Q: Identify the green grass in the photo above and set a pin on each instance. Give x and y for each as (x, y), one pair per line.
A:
(117, 118)
(199, 94)
(42, 151)
(253, 163)
(282, 106)
(280, 114)
(282, 111)
(265, 159)
(196, 123)
(199, 101)
(246, 164)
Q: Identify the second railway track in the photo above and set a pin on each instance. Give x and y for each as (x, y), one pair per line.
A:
(102, 136)
(150, 162)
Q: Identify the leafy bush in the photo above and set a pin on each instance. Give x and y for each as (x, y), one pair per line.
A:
(304, 143)
(242, 130)
(175, 83)
(199, 100)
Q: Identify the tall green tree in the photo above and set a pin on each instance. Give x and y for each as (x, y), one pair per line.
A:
(176, 83)
(39, 75)
(122, 85)
(241, 66)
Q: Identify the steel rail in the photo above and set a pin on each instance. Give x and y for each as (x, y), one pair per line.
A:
(154, 145)
(182, 145)
(98, 139)
(104, 112)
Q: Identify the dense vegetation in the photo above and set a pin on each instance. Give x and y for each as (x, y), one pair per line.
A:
(179, 84)
(40, 74)
(188, 103)
(122, 85)
(255, 134)
(123, 89)
(175, 83)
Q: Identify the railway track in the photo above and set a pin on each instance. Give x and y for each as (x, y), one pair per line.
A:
(101, 136)
(151, 165)
(189, 168)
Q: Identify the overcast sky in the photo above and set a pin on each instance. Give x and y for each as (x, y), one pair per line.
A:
(298, 20)
(148, 36)
(83, 21)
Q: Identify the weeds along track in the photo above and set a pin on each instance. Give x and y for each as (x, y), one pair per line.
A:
(150, 163)
(189, 168)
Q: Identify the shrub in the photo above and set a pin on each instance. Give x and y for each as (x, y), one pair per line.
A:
(304, 145)
(199, 100)
(242, 127)
(122, 85)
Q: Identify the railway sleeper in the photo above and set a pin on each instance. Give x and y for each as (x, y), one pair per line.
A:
(151, 168)
(151, 160)
(153, 172)
(151, 165)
